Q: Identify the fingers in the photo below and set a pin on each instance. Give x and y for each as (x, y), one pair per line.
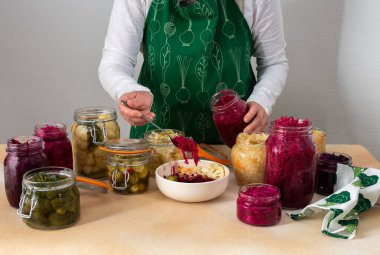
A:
(257, 119)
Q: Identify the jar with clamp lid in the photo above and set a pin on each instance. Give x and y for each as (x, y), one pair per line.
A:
(127, 163)
(93, 127)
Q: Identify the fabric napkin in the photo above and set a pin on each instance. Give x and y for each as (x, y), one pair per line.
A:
(357, 190)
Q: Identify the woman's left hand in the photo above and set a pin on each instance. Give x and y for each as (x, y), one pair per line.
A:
(256, 118)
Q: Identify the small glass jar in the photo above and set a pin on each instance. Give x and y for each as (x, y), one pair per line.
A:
(127, 162)
(319, 138)
(325, 177)
(57, 146)
(93, 127)
(228, 113)
(259, 204)
(24, 153)
(248, 158)
(163, 150)
(291, 161)
(50, 198)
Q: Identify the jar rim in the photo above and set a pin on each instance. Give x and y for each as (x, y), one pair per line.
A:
(93, 114)
(275, 196)
(128, 146)
(215, 99)
(50, 130)
(24, 144)
(164, 140)
(346, 162)
(53, 185)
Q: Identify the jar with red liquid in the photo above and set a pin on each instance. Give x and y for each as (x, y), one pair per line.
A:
(228, 113)
(259, 205)
(24, 153)
(291, 161)
(325, 177)
(57, 146)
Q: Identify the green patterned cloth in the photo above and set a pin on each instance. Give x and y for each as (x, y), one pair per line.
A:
(345, 205)
(189, 54)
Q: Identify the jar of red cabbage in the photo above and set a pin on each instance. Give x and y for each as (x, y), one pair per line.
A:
(57, 146)
(291, 161)
(93, 127)
(24, 153)
(325, 177)
(259, 205)
(228, 113)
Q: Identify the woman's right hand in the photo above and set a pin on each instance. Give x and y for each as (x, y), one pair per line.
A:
(135, 104)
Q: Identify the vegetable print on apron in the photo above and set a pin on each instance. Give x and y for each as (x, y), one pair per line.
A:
(190, 53)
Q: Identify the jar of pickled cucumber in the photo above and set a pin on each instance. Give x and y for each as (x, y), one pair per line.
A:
(163, 150)
(248, 158)
(127, 164)
(93, 127)
(50, 198)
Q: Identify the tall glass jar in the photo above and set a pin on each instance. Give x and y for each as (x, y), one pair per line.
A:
(291, 161)
(50, 198)
(248, 158)
(163, 149)
(57, 146)
(127, 162)
(93, 127)
(228, 113)
(24, 153)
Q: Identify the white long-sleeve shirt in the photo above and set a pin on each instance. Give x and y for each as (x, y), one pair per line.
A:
(125, 34)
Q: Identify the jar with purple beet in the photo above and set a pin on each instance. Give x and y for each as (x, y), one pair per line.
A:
(291, 161)
(228, 113)
(24, 153)
(57, 146)
(259, 204)
(325, 177)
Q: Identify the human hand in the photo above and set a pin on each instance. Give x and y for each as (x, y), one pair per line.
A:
(133, 104)
(256, 117)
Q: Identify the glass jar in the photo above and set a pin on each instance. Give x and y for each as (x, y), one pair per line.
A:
(24, 153)
(163, 150)
(259, 205)
(291, 161)
(50, 198)
(57, 146)
(93, 127)
(127, 162)
(325, 177)
(319, 138)
(228, 113)
(248, 158)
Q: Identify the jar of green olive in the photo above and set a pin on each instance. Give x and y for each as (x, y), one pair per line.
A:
(50, 198)
(93, 127)
(127, 163)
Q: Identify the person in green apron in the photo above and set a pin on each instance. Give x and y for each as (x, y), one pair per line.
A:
(193, 49)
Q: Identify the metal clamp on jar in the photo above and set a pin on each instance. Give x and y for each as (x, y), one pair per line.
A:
(127, 163)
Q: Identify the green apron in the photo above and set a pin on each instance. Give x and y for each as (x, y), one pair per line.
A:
(190, 53)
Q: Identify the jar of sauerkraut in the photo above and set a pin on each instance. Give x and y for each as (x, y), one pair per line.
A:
(248, 158)
(319, 138)
(127, 164)
(163, 149)
(93, 127)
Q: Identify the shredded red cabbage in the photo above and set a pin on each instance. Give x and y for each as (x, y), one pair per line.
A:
(187, 145)
(259, 205)
(229, 122)
(193, 178)
(336, 158)
(57, 146)
(291, 161)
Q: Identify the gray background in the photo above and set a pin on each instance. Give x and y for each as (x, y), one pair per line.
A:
(50, 51)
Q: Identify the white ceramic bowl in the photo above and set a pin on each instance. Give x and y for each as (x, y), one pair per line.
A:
(190, 192)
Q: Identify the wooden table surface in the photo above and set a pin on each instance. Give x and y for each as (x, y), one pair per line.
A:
(151, 223)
